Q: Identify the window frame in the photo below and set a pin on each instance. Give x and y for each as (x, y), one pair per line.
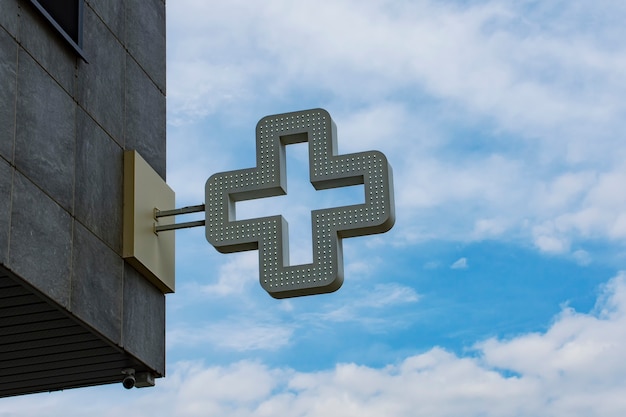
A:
(76, 44)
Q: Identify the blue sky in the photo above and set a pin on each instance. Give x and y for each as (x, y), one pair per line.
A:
(500, 290)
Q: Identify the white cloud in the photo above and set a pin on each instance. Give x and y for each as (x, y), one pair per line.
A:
(538, 88)
(432, 265)
(551, 244)
(487, 228)
(460, 263)
(580, 357)
(582, 257)
(240, 271)
(574, 368)
(365, 307)
(488, 57)
(234, 334)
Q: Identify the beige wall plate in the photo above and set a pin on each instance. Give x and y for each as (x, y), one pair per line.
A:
(152, 254)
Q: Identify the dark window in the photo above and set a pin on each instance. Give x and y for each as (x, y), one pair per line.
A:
(67, 17)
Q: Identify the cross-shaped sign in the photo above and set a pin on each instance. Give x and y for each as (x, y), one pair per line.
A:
(326, 170)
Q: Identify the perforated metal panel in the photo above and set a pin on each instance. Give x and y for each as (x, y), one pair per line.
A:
(269, 234)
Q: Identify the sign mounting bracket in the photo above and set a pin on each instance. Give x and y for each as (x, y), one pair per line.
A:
(175, 212)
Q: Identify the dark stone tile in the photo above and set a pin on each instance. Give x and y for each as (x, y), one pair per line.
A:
(145, 118)
(99, 182)
(97, 284)
(145, 37)
(6, 174)
(144, 319)
(112, 13)
(40, 241)
(44, 144)
(9, 17)
(8, 64)
(100, 84)
(46, 45)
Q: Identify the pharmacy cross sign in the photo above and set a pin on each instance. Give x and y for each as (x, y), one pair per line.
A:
(268, 179)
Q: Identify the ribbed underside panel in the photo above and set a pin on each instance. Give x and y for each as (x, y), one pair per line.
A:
(44, 349)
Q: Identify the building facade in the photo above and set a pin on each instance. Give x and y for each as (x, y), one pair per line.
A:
(73, 312)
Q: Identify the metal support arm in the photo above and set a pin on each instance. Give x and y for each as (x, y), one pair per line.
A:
(184, 210)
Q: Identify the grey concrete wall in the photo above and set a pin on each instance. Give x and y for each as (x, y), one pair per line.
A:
(64, 125)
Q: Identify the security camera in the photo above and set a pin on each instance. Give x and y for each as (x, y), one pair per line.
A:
(129, 379)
